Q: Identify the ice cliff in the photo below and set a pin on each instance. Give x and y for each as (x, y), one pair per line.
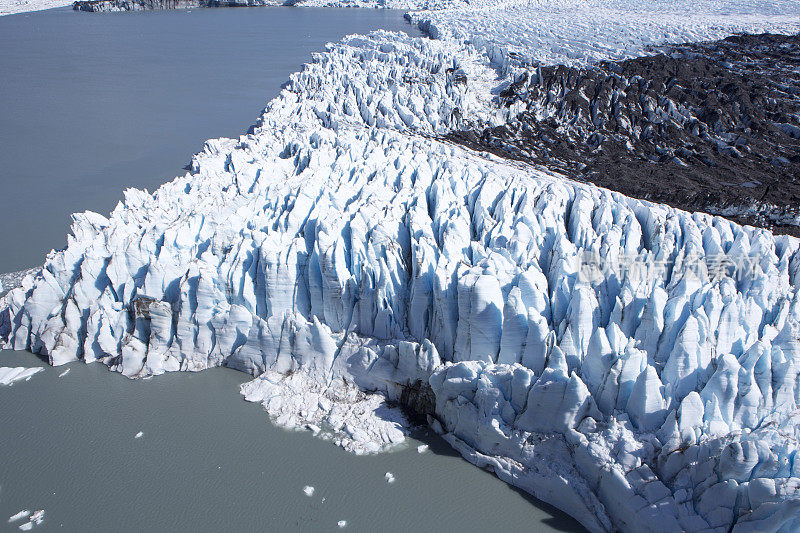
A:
(630, 363)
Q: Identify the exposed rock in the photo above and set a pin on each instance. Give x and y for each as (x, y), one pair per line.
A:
(712, 127)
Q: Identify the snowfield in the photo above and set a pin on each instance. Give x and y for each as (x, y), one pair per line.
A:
(577, 32)
(10, 7)
(632, 364)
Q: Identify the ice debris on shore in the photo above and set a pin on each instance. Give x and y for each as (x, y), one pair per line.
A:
(353, 263)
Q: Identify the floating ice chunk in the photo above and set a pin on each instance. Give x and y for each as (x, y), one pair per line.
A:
(309, 490)
(422, 448)
(9, 375)
(139, 435)
(342, 524)
(19, 516)
(36, 518)
(64, 373)
(389, 477)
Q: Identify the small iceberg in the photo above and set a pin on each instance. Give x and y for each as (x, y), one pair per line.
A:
(8, 375)
(19, 516)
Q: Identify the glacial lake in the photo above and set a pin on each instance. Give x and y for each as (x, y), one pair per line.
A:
(95, 103)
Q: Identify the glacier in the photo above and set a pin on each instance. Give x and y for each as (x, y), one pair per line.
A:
(632, 364)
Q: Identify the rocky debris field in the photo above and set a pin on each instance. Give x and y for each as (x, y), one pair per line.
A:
(711, 126)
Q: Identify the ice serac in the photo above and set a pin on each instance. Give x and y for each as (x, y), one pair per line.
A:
(582, 345)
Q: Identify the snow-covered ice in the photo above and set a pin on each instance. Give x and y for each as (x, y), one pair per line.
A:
(580, 32)
(10, 7)
(9, 375)
(352, 262)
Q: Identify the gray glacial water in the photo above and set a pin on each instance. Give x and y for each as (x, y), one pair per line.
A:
(209, 461)
(94, 103)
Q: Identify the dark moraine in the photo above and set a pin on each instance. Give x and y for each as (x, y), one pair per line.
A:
(99, 6)
(709, 127)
